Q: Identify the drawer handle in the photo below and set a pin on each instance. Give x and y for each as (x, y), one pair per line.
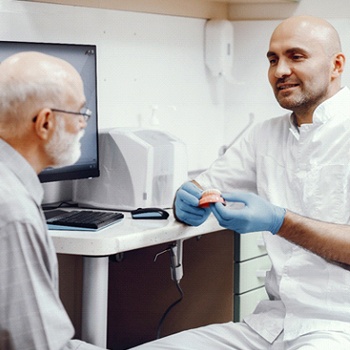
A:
(260, 242)
(261, 274)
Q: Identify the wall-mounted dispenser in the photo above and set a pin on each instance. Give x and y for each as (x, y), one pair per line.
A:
(218, 53)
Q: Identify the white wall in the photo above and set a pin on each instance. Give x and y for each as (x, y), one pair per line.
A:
(155, 62)
(144, 60)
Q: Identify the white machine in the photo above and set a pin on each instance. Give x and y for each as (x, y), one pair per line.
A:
(139, 168)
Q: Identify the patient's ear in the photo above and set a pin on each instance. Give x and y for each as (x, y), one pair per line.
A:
(44, 123)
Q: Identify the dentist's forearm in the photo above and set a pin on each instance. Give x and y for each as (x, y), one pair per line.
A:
(328, 240)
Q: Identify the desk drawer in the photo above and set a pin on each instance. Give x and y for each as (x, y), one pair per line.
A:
(245, 304)
(250, 274)
(248, 246)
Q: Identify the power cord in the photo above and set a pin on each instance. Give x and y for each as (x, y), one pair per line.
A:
(160, 324)
(175, 251)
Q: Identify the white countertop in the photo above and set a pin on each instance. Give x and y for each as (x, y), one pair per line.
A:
(128, 234)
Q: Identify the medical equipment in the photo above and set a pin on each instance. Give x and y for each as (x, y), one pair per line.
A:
(140, 168)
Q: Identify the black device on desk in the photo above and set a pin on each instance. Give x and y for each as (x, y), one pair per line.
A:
(88, 219)
(149, 213)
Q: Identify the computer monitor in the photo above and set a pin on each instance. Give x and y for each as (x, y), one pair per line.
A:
(83, 59)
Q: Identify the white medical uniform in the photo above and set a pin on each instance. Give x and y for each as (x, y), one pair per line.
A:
(306, 170)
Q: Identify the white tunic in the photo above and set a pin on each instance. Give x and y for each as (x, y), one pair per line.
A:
(306, 170)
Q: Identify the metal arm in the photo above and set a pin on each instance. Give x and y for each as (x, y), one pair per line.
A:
(176, 253)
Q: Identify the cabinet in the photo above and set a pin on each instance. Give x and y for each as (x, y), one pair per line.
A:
(140, 290)
(250, 266)
(223, 280)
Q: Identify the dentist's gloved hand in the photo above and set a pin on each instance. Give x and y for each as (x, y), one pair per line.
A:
(186, 205)
(256, 215)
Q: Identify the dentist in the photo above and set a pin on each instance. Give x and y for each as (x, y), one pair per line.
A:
(283, 170)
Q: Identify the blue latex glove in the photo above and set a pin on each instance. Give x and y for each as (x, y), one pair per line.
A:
(257, 214)
(186, 205)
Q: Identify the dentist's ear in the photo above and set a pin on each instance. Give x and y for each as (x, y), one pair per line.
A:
(338, 64)
(44, 123)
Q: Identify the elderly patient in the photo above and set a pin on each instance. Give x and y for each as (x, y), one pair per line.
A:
(33, 136)
(300, 163)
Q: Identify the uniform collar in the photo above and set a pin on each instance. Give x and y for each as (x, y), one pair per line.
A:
(326, 110)
(294, 128)
(332, 107)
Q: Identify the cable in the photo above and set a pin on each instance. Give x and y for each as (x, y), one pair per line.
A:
(169, 309)
(175, 251)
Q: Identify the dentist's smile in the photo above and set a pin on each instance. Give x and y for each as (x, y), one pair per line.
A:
(286, 86)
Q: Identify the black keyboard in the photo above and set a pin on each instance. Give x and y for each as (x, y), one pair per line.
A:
(82, 218)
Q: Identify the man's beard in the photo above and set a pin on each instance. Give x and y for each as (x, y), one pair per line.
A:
(303, 99)
(64, 148)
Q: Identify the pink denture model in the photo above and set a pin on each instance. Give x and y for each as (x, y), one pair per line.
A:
(210, 196)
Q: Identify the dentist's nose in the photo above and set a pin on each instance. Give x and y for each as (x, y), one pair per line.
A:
(282, 69)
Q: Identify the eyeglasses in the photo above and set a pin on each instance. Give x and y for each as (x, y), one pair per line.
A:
(85, 112)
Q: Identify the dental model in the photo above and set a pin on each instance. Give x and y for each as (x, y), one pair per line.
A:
(210, 196)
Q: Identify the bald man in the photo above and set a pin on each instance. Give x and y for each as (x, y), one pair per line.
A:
(300, 162)
(35, 133)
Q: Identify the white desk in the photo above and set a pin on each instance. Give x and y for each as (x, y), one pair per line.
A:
(123, 236)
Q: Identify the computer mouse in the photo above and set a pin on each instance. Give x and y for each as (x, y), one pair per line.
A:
(150, 213)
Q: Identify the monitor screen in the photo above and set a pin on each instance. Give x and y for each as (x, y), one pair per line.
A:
(83, 59)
